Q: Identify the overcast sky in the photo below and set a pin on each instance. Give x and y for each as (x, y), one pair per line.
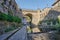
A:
(34, 4)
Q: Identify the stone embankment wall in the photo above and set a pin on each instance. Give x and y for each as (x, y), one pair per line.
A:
(42, 36)
(4, 25)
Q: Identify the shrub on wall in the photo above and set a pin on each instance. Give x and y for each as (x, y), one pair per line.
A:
(16, 19)
(3, 16)
(9, 18)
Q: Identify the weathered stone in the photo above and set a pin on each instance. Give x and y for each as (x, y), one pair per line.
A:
(41, 36)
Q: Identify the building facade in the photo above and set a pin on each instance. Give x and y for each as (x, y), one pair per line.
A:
(9, 7)
(50, 16)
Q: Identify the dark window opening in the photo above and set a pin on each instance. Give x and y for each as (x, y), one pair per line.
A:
(5, 1)
(10, 2)
(48, 23)
(2, 4)
(54, 22)
(20, 9)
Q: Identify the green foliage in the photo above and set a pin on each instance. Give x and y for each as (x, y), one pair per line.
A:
(58, 20)
(16, 19)
(57, 26)
(55, 22)
(3, 16)
(9, 18)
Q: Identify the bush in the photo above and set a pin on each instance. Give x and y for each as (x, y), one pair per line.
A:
(9, 18)
(3, 16)
(58, 20)
(16, 19)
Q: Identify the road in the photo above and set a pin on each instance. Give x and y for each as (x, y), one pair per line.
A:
(20, 35)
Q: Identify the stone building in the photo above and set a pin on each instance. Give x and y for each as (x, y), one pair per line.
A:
(45, 15)
(9, 7)
(48, 17)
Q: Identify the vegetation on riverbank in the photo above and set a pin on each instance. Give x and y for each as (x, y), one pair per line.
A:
(9, 18)
(10, 22)
(54, 23)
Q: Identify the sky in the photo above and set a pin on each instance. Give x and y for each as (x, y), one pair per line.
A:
(34, 4)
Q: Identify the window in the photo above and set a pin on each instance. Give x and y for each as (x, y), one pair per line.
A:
(48, 23)
(2, 4)
(20, 9)
(4, 1)
(54, 22)
(15, 8)
(59, 4)
(10, 2)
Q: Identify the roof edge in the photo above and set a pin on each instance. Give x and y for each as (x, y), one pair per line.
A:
(55, 2)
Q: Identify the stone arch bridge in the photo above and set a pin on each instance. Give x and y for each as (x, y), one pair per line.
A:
(34, 16)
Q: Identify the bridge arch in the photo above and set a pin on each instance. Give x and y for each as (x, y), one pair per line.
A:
(34, 16)
(28, 16)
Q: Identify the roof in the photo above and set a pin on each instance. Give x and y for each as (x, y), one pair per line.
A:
(55, 2)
